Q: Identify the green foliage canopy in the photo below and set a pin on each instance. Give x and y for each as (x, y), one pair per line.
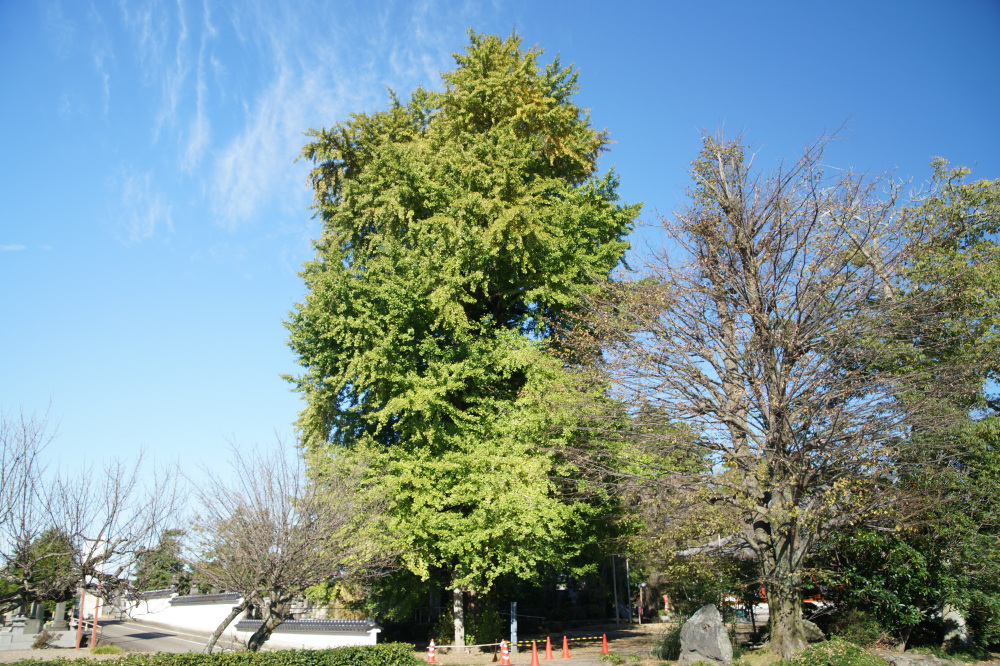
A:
(948, 555)
(458, 227)
(157, 569)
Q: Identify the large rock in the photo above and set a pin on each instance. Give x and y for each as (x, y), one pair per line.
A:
(813, 633)
(956, 631)
(915, 659)
(704, 638)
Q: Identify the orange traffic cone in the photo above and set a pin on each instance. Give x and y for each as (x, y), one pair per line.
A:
(534, 654)
(430, 653)
(548, 649)
(565, 654)
(504, 654)
(604, 644)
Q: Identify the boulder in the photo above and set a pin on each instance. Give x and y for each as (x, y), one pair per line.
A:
(915, 659)
(813, 633)
(956, 635)
(704, 638)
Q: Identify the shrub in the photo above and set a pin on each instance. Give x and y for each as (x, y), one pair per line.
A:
(384, 654)
(613, 658)
(107, 648)
(668, 646)
(835, 652)
(43, 639)
(858, 627)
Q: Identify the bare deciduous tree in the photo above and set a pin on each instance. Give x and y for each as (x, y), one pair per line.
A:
(66, 529)
(766, 329)
(22, 440)
(269, 533)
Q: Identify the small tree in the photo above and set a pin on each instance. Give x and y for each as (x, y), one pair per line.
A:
(158, 568)
(61, 531)
(22, 440)
(269, 533)
(762, 329)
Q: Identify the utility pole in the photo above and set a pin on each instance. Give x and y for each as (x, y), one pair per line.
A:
(614, 584)
(628, 591)
(513, 627)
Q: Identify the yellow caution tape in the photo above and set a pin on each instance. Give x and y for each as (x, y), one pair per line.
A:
(577, 638)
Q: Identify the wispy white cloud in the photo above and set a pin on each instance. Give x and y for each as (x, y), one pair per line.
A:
(59, 29)
(174, 75)
(154, 28)
(149, 29)
(138, 209)
(102, 54)
(323, 70)
(199, 129)
(12, 248)
(252, 167)
(288, 66)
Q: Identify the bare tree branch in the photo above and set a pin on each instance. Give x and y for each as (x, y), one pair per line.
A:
(67, 529)
(766, 331)
(269, 532)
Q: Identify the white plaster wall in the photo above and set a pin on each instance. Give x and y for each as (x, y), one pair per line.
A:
(194, 617)
(141, 608)
(205, 618)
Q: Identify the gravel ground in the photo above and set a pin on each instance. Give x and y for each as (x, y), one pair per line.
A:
(636, 641)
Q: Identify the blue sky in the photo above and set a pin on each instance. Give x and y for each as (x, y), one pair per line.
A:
(154, 220)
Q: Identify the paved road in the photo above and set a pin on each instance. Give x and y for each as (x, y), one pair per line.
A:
(135, 637)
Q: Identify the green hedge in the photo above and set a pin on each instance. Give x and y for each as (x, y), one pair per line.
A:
(383, 654)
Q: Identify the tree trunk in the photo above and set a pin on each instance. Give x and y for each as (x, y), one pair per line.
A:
(458, 608)
(785, 608)
(242, 606)
(904, 637)
(272, 618)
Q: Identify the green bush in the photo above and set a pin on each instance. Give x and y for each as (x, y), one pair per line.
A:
(107, 648)
(668, 646)
(384, 654)
(834, 652)
(857, 627)
(613, 658)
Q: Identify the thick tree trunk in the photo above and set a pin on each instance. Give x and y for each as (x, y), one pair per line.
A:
(242, 606)
(271, 620)
(904, 638)
(785, 608)
(458, 608)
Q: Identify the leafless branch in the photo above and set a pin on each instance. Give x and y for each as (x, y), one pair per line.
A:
(269, 532)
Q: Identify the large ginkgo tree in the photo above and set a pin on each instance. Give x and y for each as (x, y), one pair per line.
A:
(460, 227)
